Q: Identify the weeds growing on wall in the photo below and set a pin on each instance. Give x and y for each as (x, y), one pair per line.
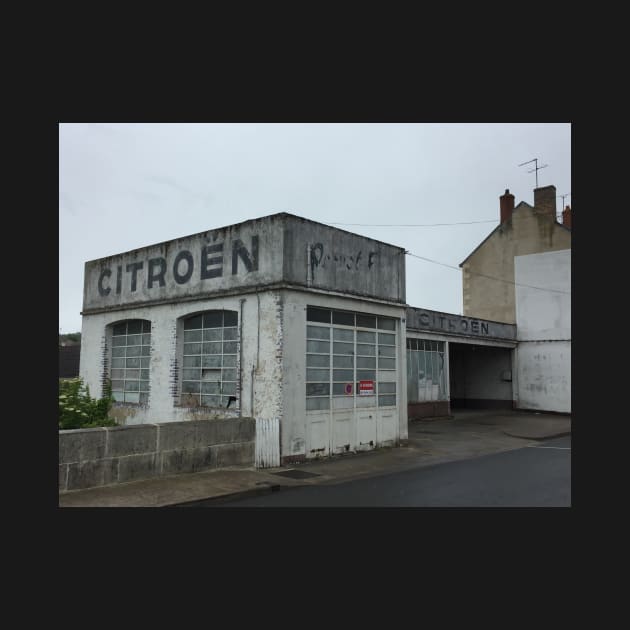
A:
(78, 410)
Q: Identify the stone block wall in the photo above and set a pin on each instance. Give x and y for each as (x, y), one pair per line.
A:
(90, 458)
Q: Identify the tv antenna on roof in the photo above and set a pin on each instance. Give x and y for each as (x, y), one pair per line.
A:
(562, 197)
(559, 214)
(536, 168)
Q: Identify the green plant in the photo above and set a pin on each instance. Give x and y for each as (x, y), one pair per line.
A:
(78, 410)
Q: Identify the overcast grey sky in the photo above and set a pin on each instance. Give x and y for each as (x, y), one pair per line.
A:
(124, 186)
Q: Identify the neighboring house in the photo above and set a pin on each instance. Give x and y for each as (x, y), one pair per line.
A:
(488, 272)
(521, 274)
(543, 325)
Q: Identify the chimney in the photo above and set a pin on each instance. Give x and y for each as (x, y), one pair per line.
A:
(566, 217)
(545, 200)
(506, 203)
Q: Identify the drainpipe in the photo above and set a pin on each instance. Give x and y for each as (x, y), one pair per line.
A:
(258, 331)
(447, 370)
(515, 388)
(255, 365)
(240, 353)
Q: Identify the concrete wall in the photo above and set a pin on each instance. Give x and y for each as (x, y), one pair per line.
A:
(432, 409)
(243, 255)
(321, 257)
(478, 376)
(544, 331)
(526, 232)
(109, 455)
(258, 351)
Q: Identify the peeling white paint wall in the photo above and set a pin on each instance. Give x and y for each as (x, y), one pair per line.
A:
(266, 347)
(165, 362)
(293, 433)
(543, 321)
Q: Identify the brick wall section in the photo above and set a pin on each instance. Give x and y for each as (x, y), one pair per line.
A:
(429, 409)
(104, 367)
(506, 206)
(239, 353)
(90, 458)
(545, 200)
(174, 373)
(566, 217)
(279, 350)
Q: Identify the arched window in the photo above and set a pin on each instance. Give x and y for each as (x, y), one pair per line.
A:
(131, 354)
(209, 375)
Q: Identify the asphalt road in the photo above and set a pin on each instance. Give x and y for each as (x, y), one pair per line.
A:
(534, 476)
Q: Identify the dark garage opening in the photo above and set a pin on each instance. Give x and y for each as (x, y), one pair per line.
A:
(480, 377)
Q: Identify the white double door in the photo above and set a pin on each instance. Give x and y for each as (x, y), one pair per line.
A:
(334, 432)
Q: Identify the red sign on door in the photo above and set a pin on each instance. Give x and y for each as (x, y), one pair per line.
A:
(366, 388)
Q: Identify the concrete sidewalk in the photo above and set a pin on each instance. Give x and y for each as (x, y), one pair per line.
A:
(463, 435)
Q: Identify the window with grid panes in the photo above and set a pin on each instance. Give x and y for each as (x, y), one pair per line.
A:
(131, 354)
(366, 362)
(338, 340)
(386, 362)
(317, 359)
(343, 375)
(210, 371)
(426, 376)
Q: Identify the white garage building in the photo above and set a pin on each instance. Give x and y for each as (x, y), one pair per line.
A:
(279, 318)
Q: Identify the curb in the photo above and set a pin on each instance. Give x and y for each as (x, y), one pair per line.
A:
(539, 438)
(230, 496)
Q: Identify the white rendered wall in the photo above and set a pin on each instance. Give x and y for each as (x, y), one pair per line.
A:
(263, 401)
(543, 321)
(544, 376)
